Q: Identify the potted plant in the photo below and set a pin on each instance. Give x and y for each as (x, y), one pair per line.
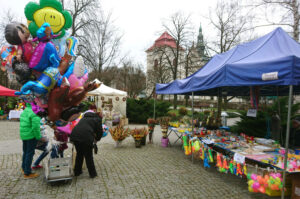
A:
(138, 135)
(151, 124)
(164, 124)
(119, 133)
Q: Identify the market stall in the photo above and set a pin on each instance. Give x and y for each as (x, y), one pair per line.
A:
(270, 64)
(110, 100)
(7, 92)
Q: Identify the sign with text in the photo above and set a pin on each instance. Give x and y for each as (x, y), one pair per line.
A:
(269, 76)
(251, 112)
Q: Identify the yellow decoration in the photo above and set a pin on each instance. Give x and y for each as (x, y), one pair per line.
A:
(51, 16)
(197, 145)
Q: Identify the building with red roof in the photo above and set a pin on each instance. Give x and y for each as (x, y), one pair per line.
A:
(165, 40)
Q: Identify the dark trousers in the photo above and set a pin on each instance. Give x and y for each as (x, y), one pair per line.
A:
(28, 153)
(43, 148)
(84, 151)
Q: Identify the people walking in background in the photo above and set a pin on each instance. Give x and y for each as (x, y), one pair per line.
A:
(30, 134)
(87, 132)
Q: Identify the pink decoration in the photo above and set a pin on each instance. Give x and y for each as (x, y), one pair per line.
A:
(255, 185)
(253, 176)
(77, 81)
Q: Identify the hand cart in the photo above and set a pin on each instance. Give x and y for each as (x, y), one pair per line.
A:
(59, 169)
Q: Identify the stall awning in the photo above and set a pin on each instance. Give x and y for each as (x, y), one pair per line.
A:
(273, 59)
(7, 92)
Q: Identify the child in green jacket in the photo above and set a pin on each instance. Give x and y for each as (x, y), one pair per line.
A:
(30, 134)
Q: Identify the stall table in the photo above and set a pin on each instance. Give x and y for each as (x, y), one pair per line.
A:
(14, 114)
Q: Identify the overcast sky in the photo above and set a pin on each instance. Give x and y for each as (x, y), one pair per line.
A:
(140, 21)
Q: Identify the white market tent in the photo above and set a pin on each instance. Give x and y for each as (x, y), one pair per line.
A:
(106, 93)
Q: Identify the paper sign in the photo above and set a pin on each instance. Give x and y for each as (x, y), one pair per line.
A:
(251, 112)
(239, 158)
(269, 76)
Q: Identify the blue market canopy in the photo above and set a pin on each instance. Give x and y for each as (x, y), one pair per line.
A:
(271, 62)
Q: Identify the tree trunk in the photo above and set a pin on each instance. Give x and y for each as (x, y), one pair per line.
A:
(225, 103)
(186, 97)
(161, 97)
(175, 102)
(219, 106)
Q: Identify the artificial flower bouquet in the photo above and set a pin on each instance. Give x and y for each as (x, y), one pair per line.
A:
(138, 134)
(151, 124)
(119, 133)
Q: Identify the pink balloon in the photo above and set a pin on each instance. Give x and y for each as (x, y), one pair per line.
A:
(255, 185)
(77, 81)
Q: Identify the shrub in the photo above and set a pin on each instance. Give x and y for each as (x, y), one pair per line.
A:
(257, 126)
(182, 111)
(138, 111)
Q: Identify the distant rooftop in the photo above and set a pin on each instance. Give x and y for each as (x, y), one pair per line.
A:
(164, 40)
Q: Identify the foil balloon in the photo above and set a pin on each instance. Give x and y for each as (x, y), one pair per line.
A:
(76, 95)
(69, 113)
(22, 71)
(50, 12)
(18, 34)
(56, 99)
(60, 44)
(72, 44)
(46, 81)
(69, 127)
(6, 56)
(77, 74)
(45, 54)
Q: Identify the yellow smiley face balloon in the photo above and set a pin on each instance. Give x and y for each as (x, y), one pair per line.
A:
(49, 11)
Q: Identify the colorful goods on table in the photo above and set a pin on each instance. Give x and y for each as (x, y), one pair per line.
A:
(241, 148)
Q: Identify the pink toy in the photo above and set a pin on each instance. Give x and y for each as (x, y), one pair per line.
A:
(253, 176)
(77, 81)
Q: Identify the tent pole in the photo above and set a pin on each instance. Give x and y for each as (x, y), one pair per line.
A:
(192, 122)
(154, 109)
(192, 112)
(287, 139)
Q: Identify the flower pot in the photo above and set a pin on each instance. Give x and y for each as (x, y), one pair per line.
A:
(138, 143)
(164, 142)
(143, 141)
(118, 144)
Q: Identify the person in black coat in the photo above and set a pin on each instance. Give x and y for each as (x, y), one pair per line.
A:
(87, 132)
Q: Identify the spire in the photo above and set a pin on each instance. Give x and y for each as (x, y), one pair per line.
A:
(200, 44)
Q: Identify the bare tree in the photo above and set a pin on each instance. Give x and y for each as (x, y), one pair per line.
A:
(281, 13)
(82, 12)
(233, 24)
(160, 72)
(129, 77)
(6, 17)
(100, 44)
(179, 27)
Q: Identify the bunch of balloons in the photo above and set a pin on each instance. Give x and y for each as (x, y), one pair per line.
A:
(258, 183)
(43, 58)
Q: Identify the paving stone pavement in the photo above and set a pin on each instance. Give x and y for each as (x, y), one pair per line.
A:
(124, 172)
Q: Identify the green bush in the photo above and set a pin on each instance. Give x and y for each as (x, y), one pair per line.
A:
(258, 126)
(182, 111)
(138, 111)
